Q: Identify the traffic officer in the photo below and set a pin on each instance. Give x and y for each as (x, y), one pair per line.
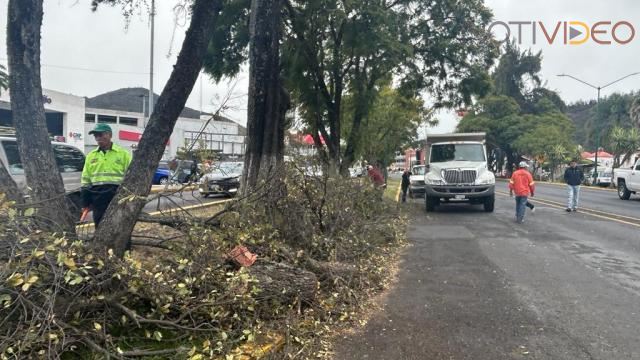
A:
(103, 172)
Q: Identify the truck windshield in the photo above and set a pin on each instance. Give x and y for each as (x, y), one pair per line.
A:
(418, 170)
(457, 152)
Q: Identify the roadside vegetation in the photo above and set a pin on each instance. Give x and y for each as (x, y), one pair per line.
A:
(322, 253)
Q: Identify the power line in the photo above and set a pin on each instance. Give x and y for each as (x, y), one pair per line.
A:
(89, 69)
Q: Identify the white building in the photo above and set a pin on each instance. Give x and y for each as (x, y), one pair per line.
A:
(70, 118)
(64, 115)
(125, 111)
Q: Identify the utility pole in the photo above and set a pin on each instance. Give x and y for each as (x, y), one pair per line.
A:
(153, 14)
(598, 135)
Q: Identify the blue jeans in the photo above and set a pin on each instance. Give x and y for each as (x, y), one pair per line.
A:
(574, 196)
(521, 206)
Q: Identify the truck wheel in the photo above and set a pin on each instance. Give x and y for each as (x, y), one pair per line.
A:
(623, 192)
(430, 203)
(489, 203)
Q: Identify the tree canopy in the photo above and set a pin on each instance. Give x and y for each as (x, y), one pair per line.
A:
(391, 124)
(593, 120)
(520, 116)
(332, 49)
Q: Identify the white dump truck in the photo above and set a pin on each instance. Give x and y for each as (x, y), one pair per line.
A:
(457, 171)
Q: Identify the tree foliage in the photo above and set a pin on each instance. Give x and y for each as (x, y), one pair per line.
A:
(520, 116)
(391, 124)
(593, 120)
(332, 49)
(546, 144)
(517, 74)
(634, 111)
(623, 143)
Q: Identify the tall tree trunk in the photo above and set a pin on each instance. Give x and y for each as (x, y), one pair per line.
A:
(265, 116)
(43, 177)
(121, 216)
(354, 139)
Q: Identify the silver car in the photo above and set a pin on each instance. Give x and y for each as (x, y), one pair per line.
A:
(70, 162)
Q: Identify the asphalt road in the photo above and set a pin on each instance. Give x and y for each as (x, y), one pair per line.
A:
(180, 200)
(476, 285)
(177, 200)
(591, 198)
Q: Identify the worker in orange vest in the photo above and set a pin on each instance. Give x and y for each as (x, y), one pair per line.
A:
(523, 186)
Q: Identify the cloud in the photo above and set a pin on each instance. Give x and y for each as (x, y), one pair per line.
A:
(88, 53)
(75, 37)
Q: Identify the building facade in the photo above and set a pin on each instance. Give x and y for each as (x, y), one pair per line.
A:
(70, 118)
(64, 115)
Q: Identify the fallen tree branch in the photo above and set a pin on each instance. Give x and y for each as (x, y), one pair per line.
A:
(143, 353)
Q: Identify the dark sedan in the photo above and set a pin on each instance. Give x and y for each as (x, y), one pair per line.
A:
(221, 180)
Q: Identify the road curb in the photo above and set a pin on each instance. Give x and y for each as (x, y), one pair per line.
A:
(154, 213)
(171, 188)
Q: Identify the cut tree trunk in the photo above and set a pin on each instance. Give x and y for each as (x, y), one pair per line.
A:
(27, 106)
(329, 272)
(283, 283)
(268, 100)
(115, 229)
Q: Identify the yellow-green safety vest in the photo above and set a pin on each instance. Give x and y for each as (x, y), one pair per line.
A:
(105, 168)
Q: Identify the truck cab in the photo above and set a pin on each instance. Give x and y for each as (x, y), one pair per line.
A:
(627, 181)
(457, 171)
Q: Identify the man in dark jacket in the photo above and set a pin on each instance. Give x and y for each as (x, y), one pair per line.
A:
(406, 176)
(573, 176)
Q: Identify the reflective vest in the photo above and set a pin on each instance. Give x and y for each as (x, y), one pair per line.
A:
(102, 168)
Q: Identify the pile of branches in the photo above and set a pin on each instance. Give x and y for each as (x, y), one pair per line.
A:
(322, 247)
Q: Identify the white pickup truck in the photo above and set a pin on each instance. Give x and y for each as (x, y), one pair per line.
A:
(627, 181)
(457, 171)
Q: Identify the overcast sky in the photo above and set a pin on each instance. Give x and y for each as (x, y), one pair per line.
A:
(74, 38)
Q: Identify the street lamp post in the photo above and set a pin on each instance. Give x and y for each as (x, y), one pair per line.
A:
(595, 169)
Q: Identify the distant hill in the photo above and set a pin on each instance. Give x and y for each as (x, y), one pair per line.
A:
(591, 120)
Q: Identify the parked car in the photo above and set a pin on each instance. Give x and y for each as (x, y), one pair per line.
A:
(182, 170)
(162, 176)
(221, 180)
(603, 178)
(70, 161)
(627, 181)
(313, 170)
(356, 172)
(416, 181)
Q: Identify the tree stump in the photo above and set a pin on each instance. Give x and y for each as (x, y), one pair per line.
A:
(331, 271)
(283, 283)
